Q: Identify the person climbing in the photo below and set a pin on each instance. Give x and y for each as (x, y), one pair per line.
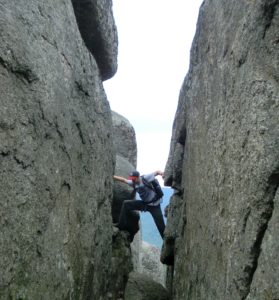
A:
(150, 201)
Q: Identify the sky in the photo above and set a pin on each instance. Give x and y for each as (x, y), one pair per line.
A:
(155, 38)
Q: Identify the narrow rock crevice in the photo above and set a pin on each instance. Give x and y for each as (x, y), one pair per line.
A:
(269, 9)
(266, 215)
(26, 74)
(5, 153)
(60, 134)
(181, 139)
(78, 125)
(3, 63)
(81, 88)
(20, 162)
(53, 44)
(22, 72)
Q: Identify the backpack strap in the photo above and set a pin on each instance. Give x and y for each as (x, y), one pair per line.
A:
(148, 184)
(133, 194)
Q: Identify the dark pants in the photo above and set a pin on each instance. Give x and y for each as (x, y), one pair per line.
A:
(128, 206)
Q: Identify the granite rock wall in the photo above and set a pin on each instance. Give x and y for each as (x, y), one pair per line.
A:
(227, 124)
(56, 157)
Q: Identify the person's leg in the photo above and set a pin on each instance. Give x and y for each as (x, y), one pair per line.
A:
(128, 206)
(158, 218)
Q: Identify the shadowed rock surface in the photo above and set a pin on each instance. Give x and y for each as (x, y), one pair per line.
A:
(122, 264)
(142, 287)
(56, 157)
(172, 229)
(227, 123)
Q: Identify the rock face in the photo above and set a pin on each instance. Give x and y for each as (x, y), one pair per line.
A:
(56, 157)
(150, 263)
(172, 229)
(142, 287)
(122, 264)
(124, 140)
(98, 30)
(227, 124)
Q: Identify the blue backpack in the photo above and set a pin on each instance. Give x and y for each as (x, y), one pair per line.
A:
(155, 186)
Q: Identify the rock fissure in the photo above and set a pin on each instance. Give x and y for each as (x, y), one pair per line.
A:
(273, 184)
(66, 60)
(3, 63)
(5, 153)
(81, 88)
(22, 72)
(60, 133)
(269, 10)
(23, 164)
(53, 44)
(249, 270)
(229, 110)
(78, 125)
(246, 217)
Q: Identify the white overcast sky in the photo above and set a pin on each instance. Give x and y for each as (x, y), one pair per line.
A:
(155, 37)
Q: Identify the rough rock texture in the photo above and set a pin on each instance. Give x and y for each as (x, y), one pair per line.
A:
(135, 250)
(172, 230)
(265, 284)
(122, 264)
(124, 138)
(173, 169)
(56, 157)
(98, 30)
(125, 144)
(227, 123)
(121, 191)
(142, 287)
(150, 263)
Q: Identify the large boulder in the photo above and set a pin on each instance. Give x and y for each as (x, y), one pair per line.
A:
(227, 243)
(124, 138)
(150, 263)
(98, 30)
(122, 264)
(142, 287)
(56, 157)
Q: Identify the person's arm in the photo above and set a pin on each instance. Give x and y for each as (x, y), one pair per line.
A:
(150, 177)
(121, 179)
(156, 173)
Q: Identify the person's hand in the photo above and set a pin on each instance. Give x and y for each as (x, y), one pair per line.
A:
(161, 173)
